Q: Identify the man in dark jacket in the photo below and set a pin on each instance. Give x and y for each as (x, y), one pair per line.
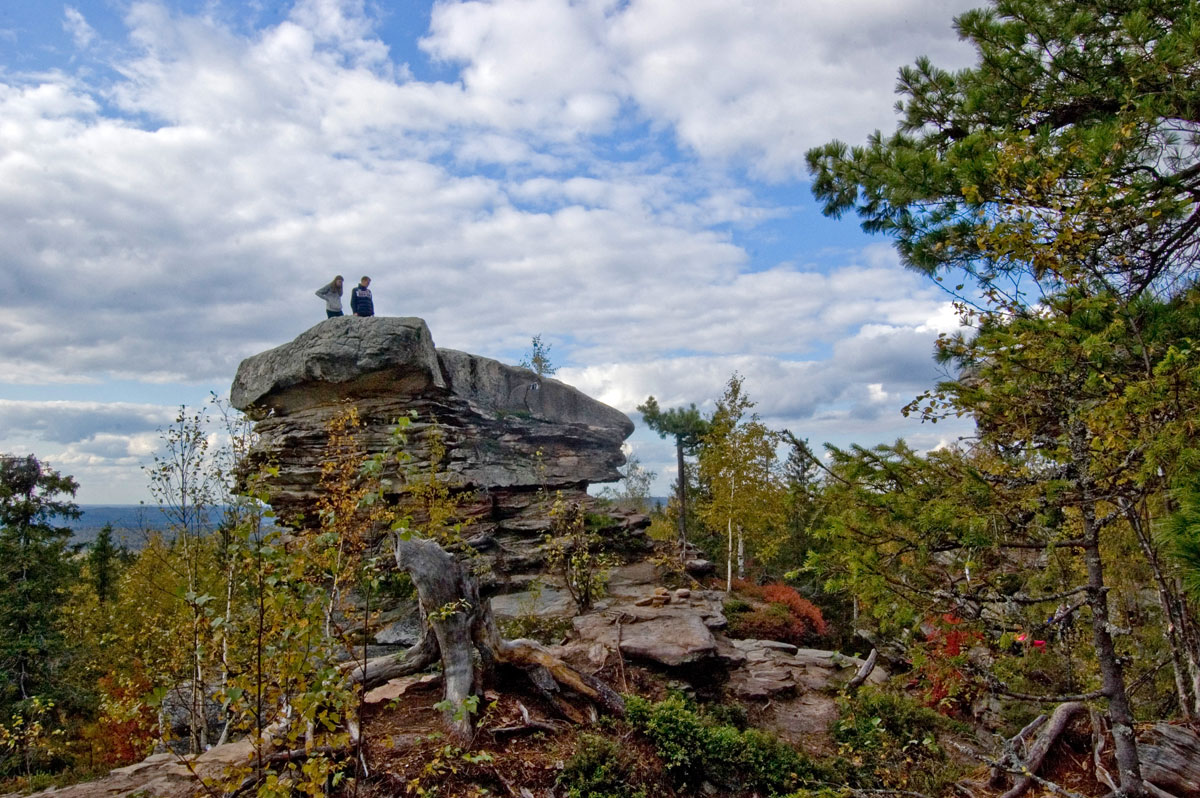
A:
(361, 303)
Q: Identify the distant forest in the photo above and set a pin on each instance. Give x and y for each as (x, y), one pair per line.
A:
(131, 523)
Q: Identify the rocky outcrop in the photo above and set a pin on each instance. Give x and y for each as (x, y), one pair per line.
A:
(512, 437)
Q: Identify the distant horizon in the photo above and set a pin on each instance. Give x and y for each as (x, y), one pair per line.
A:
(127, 518)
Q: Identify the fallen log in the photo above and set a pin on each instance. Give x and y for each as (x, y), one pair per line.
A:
(864, 670)
(1170, 757)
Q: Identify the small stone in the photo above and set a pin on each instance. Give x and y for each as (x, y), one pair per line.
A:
(683, 593)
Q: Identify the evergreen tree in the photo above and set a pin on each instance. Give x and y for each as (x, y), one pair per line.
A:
(686, 426)
(1060, 176)
(103, 561)
(1086, 106)
(34, 571)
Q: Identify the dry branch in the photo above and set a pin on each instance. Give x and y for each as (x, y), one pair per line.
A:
(864, 670)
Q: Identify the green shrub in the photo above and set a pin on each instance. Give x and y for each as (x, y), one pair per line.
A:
(872, 714)
(677, 734)
(734, 606)
(599, 768)
(547, 629)
(892, 739)
(728, 715)
(695, 749)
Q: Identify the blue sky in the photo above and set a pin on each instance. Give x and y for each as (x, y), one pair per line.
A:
(623, 177)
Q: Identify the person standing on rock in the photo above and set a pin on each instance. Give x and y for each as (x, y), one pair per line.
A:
(332, 294)
(361, 303)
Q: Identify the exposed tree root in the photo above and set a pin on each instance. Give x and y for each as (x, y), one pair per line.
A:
(1049, 734)
(1012, 747)
(378, 670)
(462, 625)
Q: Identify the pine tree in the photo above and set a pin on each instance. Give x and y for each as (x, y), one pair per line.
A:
(686, 426)
(102, 559)
(1056, 184)
(34, 571)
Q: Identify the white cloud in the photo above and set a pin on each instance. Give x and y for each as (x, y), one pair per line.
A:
(758, 83)
(76, 422)
(170, 210)
(75, 24)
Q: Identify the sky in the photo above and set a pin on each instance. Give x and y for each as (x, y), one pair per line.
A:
(624, 178)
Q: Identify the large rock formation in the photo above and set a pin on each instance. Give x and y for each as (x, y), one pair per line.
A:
(512, 437)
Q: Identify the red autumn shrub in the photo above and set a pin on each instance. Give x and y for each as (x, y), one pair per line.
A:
(939, 666)
(787, 617)
(125, 731)
(801, 608)
(747, 589)
(765, 623)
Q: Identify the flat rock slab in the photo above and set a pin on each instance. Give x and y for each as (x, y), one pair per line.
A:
(803, 720)
(398, 687)
(336, 357)
(672, 640)
(774, 669)
(162, 775)
(507, 437)
(670, 636)
(633, 581)
(547, 601)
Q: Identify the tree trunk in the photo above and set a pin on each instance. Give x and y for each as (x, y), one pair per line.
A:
(462, 625)
(682, 498)
(1112, 674)
(742, 555)
(1189, 632)
(438, 577)
(729, 554)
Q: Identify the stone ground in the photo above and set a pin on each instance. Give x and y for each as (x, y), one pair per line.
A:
(788, 690)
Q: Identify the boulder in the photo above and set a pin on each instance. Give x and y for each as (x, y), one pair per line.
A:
(512, 437)
(670, 636)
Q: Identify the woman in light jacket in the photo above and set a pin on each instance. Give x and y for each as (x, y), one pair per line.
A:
(332, 294)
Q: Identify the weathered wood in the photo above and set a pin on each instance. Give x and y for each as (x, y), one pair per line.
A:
(1053, 729)
(463, 625)
(439, 580)
(1170, 756)
(999, 776)
(378, 670)
(864, 670)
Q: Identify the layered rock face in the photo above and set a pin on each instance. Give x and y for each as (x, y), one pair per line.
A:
(511, 437)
